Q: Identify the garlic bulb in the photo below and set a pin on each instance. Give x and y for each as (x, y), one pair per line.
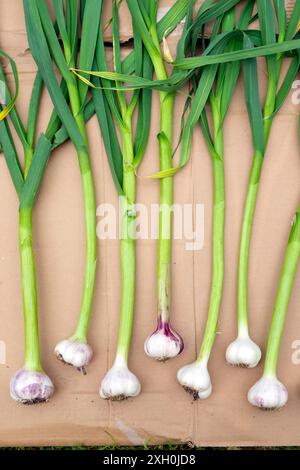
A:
(75, 353)
(243, 352)
(195, 379)
(31, 387)
(268, 393)
(119, 382)
(164, 343)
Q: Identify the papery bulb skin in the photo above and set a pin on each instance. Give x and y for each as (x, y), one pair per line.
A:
(164, 343)
(243, 352)
(75, 353)
(268, 393)
(195, 380)
(31, 387)
(119, 383)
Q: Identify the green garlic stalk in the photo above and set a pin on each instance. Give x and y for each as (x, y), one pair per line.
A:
(45, 47)
(195, 377)
(30, 384)
(269, 393)
(119, 382)
(165, 342)
(243, 351)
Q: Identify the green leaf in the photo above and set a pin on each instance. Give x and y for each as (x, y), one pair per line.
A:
(41, 54)
(279, 6)
(202, 93)
(72, 12)
(61, 135)
(11, 157)
(139, 21)
(110, 138)
(173, 17)
(205, 15)
(287, 83)
(40, 13)
(144, 114)
(54, 122)
(164, 27)
(246, 14)
(266, 21)
(36, 172)
(10, 107)
(34, 108)
(228, 20)
(117, 57)
(252, 98)
(268, 33)
(294, 22)
(207, 133)
(196, 62)
(102, 65)
(62, 27)
(89, 36)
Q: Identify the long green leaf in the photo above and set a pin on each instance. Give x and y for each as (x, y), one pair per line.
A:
(110, 139)
(287, 83)
(36, 172)
(58, 6)
(11, 157)
(89, 36)
(253, 100)
(60, 136)
(196, 62)
(72, 13)
(164, 27)
(34, 108)
(268, 33)
(279, 6)
(41, 54)
(294, 22)
(144, 114)
(10, 106)
(43, 14)
(138, 19)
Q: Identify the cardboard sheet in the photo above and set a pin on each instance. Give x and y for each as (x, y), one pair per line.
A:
(163, 412)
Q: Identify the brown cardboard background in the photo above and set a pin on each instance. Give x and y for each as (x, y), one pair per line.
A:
(163, 412)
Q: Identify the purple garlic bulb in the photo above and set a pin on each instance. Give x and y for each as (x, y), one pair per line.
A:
(164, 343)
(31, 387)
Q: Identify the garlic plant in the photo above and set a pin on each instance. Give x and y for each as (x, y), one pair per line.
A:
(243, 351)
(269, 393)
(195, 377)
(119, 382)
(44, 40)
(124, 160)
(164, 343)
(30, 384)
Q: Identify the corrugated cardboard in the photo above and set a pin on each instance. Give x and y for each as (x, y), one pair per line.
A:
(163, 412)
